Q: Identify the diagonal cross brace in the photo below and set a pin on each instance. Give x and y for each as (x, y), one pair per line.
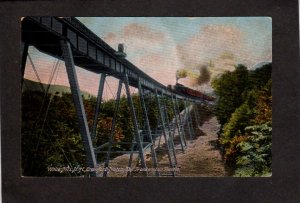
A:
(135, 124)
(98, 103)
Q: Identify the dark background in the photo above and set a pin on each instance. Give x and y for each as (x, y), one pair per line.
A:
(283, 186)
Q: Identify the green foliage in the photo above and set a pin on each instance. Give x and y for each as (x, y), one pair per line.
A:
(244, 110)
(259, 77)
(153, 113)
(180, 105)
(169, 106)
(229, 88)
(255, 157)
(237, 123)
(231, 151)
(49, 134)
(241, 117)
(50, 129)
(263, 109)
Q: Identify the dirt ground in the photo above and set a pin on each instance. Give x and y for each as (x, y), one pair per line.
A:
(200, 159)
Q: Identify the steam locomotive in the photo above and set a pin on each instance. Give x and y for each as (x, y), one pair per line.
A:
(185, 90)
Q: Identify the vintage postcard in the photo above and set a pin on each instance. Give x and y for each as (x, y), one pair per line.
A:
(146, 96)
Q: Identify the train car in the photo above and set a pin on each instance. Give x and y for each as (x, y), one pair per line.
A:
(185, 90)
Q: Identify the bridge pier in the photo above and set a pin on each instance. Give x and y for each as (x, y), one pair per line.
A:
(84, 129)
(171, 138)
(181, 122)
(196, 115)
(113, 127)
(178, 124)
(187, 120)
(148, 129)
(136, 127)
(171, 153)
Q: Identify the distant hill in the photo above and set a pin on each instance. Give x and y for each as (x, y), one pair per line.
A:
(29, 85)
(261, 64)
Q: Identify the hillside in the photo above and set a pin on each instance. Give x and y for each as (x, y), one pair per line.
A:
(29, 85)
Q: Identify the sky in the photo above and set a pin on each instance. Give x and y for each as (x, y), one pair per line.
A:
(160, 46)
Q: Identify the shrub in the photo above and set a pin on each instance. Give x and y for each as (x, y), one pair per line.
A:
(237, 123)
(232, 151)
(255, 157)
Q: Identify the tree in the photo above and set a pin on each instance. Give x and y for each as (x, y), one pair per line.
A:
(255, 156)
(50, 134)
(259, 77)
(229, 89)
(263, 109)
(244, 110)
(237, 123)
